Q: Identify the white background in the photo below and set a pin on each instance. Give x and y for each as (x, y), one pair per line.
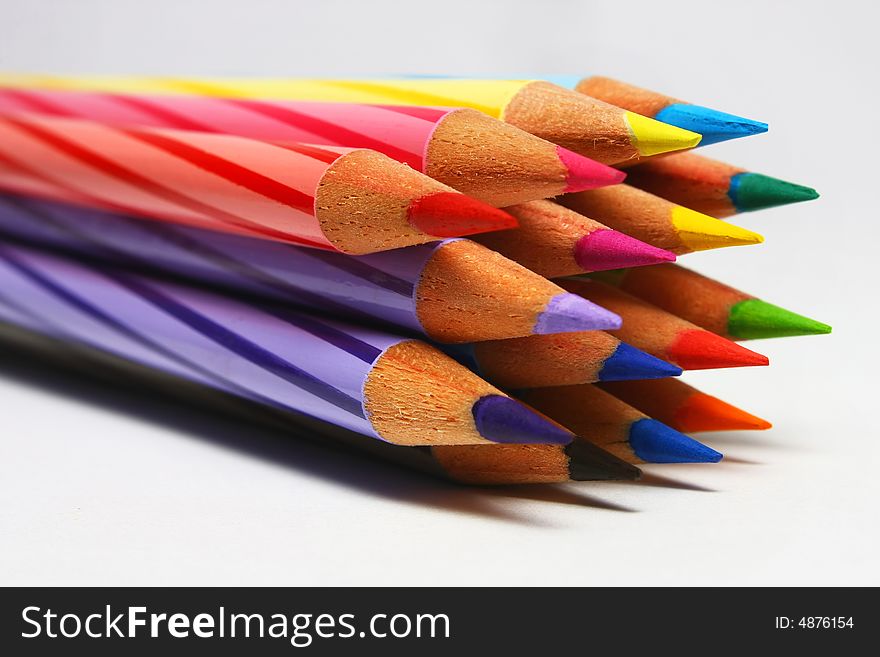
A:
(99, 487)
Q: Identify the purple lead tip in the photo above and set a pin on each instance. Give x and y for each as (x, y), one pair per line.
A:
(569, 313)
(505, 420)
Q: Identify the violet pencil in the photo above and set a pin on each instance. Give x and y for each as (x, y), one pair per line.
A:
(449, 291)
(378, 384)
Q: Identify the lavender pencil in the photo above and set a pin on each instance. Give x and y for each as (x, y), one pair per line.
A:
(381, 385)
(449, 291)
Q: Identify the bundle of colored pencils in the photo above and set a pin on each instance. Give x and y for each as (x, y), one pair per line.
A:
(382, 260)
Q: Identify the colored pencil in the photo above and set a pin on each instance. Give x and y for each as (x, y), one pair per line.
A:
(710, 304)
(493, 464)
(684, 407)
(554, 241)
(656, 221)
(381, 385)
(449, 291)
(615, 426)
(714, 187)
(582, 124)
(713, 125)
(354, 201)
(559, 360)
(662, 334)
(480, 156)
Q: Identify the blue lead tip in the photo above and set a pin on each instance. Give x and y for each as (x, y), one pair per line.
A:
(505, 420)
(630, 364)
(654, 442)
(715, 126)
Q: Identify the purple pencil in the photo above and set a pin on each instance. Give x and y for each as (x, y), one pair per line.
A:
(395, 389)
(450, 291)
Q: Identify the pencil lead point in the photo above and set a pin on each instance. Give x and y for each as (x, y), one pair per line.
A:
(755, 191)
(697, 349)
(569, 313)
(501, 419)
(588, 462)
(607, 249)
(654, 442)
(715, 126)
(702, 412)
(582, 173)
(654, 137)
(754, 319)
(451, 214)
(628, 364)
(699, 232)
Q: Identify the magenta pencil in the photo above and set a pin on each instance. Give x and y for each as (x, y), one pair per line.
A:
(465, 149)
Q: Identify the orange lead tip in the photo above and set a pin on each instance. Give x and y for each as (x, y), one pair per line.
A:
(450, 214)
(702, 412)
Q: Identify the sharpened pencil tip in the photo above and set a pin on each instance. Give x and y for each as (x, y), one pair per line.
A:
(697, 349)
(715, 126)
(451, 214)
(702, 412)
(606, 249)
(569, 313)
(654, 137)
(504, 420)
(584, 173)
(630, 364)
(588, 462)
(654, 442)
(755, 191)
(755, 319)
(699, 232)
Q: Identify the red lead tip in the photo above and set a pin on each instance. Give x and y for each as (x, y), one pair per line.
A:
(450, 214)
(696, 349)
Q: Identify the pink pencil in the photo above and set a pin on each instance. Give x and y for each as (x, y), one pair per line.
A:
(465, 149)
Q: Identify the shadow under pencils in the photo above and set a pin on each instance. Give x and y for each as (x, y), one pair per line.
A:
(297, 448)
(559, 495)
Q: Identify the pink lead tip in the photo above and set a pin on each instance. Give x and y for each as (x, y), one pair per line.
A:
(584, 173)
(606, 249)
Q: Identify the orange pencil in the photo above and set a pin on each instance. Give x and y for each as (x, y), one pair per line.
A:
(683, 407)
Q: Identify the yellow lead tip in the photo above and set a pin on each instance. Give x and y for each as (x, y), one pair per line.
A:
(654, 137)
(700, 232)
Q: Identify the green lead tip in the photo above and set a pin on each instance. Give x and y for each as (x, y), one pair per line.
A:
(754, 319)
(755, 191)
